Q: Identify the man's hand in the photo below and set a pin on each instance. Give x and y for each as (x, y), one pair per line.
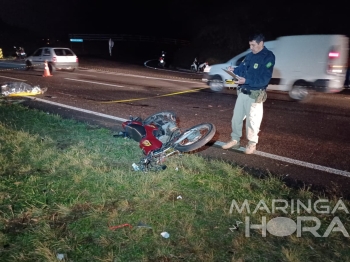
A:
(240, 80)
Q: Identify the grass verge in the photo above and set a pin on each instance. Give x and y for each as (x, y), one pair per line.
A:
(65, 185)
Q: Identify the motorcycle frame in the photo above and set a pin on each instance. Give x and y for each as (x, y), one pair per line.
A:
(155, 159)
(149, 143)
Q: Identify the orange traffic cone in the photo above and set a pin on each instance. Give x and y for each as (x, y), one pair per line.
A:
(46, 70)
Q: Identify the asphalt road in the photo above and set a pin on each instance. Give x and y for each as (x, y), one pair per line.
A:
(298, 141)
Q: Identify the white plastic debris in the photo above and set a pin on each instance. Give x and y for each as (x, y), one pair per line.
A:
(165, 234)
(135, 167)
(176, 168)
(60, 256)
(179, 197)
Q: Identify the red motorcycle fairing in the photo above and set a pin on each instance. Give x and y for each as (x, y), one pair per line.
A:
(150, 143)
(143, 134)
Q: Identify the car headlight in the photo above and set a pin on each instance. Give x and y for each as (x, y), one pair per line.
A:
(207, 69)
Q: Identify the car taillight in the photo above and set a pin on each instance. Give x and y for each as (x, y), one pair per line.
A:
(77, 60)
(54, 59)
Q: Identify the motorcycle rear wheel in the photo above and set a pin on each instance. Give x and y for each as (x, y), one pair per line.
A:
(160, 116)
(195, 137)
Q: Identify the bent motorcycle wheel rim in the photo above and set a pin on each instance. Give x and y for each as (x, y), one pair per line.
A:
(195, 137)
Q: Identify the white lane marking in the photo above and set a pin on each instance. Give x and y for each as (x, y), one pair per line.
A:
(83, 74)
(13, 78)
(295, 162)
(305, 164)
(158, 78)
(148, 77)
(162, 69)
(217, 143)
(77, 109)
(92, 82)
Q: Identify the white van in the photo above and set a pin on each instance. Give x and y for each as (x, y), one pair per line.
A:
(304, 63)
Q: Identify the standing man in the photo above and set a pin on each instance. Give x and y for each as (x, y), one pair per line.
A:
(253, 76)
(110, 45)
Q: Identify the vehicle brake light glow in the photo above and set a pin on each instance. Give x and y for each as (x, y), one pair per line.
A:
(333, 54)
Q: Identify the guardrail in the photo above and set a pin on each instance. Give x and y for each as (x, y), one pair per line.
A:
(132, 38)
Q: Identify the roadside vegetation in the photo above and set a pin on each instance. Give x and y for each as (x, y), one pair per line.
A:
(68, 193)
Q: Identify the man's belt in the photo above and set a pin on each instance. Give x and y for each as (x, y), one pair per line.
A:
(244, 90)
(247, 91)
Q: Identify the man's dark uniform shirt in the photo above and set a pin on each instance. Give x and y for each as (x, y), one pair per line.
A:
(256, 69)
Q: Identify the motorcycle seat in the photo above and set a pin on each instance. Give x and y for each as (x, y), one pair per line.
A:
(136, 132)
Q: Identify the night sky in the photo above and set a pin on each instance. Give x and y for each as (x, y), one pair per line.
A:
(174, 18)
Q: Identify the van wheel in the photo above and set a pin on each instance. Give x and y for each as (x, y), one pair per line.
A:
(216, 84)
(301, 91)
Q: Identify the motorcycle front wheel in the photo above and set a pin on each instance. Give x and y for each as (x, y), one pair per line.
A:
(195, 137)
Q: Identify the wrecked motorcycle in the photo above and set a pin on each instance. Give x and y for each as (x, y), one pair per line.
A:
(159, 137)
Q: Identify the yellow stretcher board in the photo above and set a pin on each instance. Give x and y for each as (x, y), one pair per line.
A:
(26, 93)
